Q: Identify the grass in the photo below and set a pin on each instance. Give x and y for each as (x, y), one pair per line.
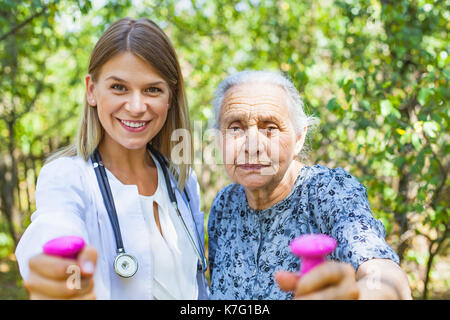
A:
(11, 287)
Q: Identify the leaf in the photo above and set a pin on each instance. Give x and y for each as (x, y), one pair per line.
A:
(406, 138)
(332, 103)
(387, 84)
(388, 109)
(365, 104)
(416, 142)
(424, 95)
(389, 193)
(430, 128)
(418, 126)
(359, 84)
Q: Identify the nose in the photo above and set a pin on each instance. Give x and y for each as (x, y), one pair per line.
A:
(253, 143)
(136, 104)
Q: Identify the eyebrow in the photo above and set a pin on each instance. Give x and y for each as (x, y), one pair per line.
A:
(241, 116)
(124, 81)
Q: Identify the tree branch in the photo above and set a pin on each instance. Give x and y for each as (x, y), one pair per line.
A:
(30, 105)
(67, 116)
(24, 23)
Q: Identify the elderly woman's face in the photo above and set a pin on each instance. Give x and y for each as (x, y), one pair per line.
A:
(259, 139)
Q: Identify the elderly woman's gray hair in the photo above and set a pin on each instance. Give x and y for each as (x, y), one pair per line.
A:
(294, 100)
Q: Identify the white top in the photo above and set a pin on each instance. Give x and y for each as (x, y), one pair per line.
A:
(174, 258)
(69, 202)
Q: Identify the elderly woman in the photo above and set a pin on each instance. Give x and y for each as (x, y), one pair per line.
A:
(275, 198)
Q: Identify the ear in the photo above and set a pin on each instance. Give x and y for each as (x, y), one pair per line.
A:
(90, 91)
(300, 141)
(169, 103)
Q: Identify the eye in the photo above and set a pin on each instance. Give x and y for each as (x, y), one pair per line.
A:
(234, 128)
(153, 90)
(118, 87)
(270, 130)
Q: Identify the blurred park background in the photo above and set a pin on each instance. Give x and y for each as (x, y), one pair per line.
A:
(375, 72)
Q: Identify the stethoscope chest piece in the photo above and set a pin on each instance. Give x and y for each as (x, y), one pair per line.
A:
(125, 265)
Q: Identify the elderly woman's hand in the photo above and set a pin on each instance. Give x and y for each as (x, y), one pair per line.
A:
(329, 281)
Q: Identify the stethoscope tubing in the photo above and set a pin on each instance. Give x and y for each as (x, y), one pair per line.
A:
(108, 200)
(198, 248)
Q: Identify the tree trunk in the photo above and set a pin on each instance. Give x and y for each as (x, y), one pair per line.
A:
(401, 218)
(433, 253)
(8, 171)
(7, 199)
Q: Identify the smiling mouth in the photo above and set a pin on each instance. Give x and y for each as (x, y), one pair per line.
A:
(134, 125)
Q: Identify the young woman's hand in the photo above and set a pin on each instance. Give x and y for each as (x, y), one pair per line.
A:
(58, 278)
(329, 281)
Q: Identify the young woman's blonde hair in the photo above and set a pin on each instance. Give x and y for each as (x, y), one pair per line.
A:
(146, 40)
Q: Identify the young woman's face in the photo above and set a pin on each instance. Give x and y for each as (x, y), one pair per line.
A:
(132, 100)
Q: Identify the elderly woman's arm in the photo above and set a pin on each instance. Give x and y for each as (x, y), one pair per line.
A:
(374, 279)
(342, 210)
(382, 279)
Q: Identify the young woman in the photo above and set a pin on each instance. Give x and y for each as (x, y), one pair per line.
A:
(118, 187)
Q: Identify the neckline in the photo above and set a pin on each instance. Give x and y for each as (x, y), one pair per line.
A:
(147, 197)
(112, 177)
(280, 203)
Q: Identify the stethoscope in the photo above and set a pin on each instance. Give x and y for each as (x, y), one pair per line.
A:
(125, 264)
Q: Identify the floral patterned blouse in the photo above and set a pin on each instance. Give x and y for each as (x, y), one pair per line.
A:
(247, 246)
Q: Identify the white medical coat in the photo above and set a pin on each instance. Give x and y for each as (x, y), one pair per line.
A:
(69, 202)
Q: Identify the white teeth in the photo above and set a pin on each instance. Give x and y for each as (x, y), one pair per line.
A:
(133, 124)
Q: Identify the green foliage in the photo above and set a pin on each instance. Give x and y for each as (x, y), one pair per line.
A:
(374, 71)
(402, 91)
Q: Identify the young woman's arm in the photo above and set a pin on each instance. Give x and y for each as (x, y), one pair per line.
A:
(61, 205)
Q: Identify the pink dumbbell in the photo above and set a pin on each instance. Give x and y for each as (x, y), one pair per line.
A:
(65, 247)
(312, 249)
